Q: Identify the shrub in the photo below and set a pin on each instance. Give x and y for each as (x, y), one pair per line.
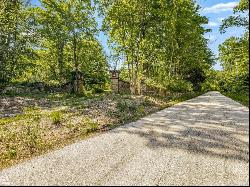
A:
(180, 86)
(225, 82)
(98, 90)
(12, 153)
(141, 110)
(124, 106)
(2, 86)
(147, 102)
(91, 125)
(56, 117)
(210, 86)
(31, 137)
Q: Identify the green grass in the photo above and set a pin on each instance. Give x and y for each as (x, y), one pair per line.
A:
(28, 113)
(242, 98)
(56, 117)
(71, 118)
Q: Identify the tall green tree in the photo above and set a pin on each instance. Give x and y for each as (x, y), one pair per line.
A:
(66, 22)
(152, 38)
(234, 52)
(52, 29)
(79, 19)
(240, 17)
(16, 38)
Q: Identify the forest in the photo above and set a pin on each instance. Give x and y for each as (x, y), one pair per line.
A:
(54, 49)
(56, 43)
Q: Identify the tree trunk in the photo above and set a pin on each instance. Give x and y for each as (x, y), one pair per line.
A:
(76, 86)
(132, 85)
(60, 49)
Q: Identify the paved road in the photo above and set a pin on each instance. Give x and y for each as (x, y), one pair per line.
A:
(203, 141)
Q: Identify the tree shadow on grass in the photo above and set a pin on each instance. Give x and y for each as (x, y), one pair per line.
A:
(14, 105)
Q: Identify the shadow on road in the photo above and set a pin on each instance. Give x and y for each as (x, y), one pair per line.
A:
(199, 126)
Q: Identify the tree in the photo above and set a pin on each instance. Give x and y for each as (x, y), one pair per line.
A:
(52, 28)
(152, 39)
(16, 38)
(234, 52)
(66, 22)
(237, 20)
(81, 24)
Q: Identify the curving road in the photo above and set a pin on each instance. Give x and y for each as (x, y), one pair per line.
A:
(203, 141)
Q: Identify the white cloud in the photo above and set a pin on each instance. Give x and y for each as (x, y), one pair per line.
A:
(212, 38)
(221, 7)
(212, 24)
(221, 19)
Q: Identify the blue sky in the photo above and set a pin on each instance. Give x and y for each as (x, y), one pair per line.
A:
(215, 10)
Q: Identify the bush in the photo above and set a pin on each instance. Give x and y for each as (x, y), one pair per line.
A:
(147, 102)
(180, 86)
(56, 117)
(210, 86)
(98, 90)
(91, 126)
(124, 106)
(242, 98)
(2, 86)
(32, 138)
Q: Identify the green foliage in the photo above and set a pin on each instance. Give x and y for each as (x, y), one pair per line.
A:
(91, 125)
(152, 38)
(242, 98)
(147, 102)
(234, 56)
(12, 153)
(226, 82)
(126, 105)
(49, 42)
(97, 90)
(56, 117)
(16, 39)
(180, 86)
(128, 110)
(56, 43)
(237, 20)
(212, 81)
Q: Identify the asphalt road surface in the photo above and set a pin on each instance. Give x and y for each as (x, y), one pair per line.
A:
(203, 141)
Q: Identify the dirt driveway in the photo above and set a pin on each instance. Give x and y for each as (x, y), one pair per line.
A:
(203, 141)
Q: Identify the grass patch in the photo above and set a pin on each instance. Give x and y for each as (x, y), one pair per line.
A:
(91, 126)
(31, 112)
(129, 110)
(70, 118)
(56, 117)
(242, 98)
